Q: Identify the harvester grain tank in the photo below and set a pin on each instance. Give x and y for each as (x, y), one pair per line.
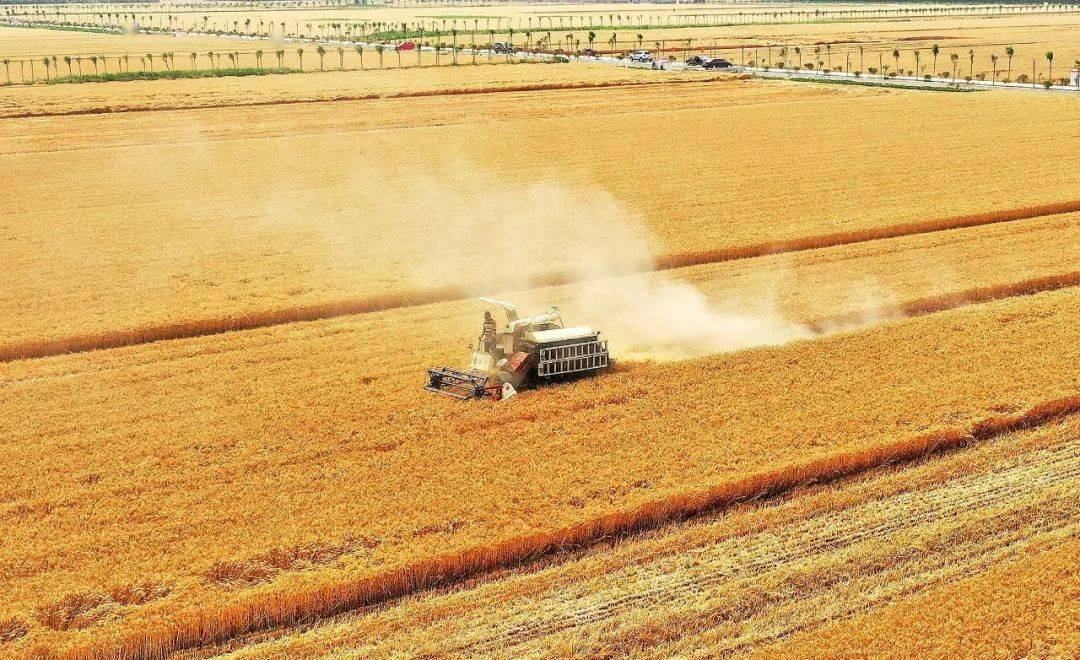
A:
(525, 352)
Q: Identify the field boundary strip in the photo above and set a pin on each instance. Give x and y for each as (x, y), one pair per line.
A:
(934, 304)
(684, 259)
(452, 91)
(36, 349)
(201, 628)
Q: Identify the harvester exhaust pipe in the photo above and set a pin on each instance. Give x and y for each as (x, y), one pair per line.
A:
(551, 316)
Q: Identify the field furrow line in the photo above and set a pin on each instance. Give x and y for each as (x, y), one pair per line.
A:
(35, 349)
(208, 626)
(1045, 484)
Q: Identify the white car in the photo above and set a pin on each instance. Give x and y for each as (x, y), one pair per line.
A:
(641, 56)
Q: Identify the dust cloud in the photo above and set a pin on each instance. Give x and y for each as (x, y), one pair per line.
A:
(525, 233)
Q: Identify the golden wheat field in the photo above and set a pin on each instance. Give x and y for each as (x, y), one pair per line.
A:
(231, 243)
(812, 553)
(843, 414)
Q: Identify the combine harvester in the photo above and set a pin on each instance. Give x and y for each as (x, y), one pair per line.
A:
(525, 352)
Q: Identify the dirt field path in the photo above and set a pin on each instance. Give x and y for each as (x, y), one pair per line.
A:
(890, 541)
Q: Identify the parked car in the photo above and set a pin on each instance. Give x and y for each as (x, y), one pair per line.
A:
(697, 60)
(641, 56)
(503, 47)
(716, 63)
(589, 52)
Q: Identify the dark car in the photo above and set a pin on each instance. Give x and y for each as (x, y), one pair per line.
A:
(589, 52)
(697, 60)
(716, 63)
(503, 47)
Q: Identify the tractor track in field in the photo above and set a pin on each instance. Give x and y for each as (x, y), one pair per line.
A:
(204, 630)
(954, 526)
(34, 349)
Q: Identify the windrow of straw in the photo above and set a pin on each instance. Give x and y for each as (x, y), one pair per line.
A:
(213, 626)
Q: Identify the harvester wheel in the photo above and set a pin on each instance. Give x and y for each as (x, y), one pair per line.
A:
(507, 377)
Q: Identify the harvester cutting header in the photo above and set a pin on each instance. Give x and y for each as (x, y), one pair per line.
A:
(525, 352)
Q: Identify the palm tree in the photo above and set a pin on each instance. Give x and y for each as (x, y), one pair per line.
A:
(7, 70)
(210, 56)
(592, 38)
(971, 64)
(896, 59)
(67, 61)
(453, 32)
(232, 58)
(918, 55)
(1009, 52)
(360, 51)
(379, 48)
(341, 58)
(640, 37)
(280, 54)
(798, 52)
(258, 59)
(1050, 59)
(993, 62)
(93, 60)
(46, 62)
(300, 54)
(955, 58)
(935, 50)
(322, 53)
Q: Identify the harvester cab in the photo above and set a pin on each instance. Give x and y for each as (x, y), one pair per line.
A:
(522, 353)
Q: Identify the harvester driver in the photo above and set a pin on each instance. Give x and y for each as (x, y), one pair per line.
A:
(488, 336)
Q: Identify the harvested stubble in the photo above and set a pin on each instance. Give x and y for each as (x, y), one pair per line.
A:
(335, 232)
(726, 582)
(440, 489)
(1026, 607)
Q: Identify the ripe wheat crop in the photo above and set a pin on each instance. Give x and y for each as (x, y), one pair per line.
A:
(243, 246)
(252, 275)
(276, 456)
